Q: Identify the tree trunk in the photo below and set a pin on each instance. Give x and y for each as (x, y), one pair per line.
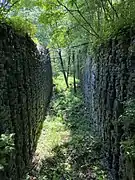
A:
(69, 63)
(62, 66)
(74, 72)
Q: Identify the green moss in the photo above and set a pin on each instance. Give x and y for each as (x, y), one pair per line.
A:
(22, 26)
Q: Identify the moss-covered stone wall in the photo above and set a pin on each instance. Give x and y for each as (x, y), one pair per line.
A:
(25, 90)
(109, 81)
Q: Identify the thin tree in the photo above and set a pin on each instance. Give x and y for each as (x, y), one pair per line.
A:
(69, 64)
(74, 72)
(62, 67)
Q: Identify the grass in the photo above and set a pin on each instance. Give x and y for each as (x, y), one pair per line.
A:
(66, 150)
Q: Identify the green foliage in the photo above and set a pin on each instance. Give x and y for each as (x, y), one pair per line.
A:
(97, 20)
(66, 148)
(128, 122)
(6, 148)
(129, 148)
(68, 22)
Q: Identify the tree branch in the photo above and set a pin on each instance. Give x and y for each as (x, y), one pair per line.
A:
(86, 20)
(113, 8)
(12, 6)
(76, 18)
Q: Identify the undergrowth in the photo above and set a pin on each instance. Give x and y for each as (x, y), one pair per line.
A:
(127, 120)
(6, 149)
(66, 150)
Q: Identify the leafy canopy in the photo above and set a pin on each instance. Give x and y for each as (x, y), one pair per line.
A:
(68, 22)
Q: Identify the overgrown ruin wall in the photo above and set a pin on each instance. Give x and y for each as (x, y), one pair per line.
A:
(108, 81)
(25, 90)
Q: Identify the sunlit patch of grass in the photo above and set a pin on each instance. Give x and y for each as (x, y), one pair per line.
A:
(54, 133)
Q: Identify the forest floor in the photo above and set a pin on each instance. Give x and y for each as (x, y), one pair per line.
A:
(66, 150)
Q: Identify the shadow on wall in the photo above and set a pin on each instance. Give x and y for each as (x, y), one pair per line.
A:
(25, 91)
(113, 65)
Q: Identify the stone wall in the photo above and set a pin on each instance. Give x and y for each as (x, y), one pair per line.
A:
(25, 90)
(108, 81)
